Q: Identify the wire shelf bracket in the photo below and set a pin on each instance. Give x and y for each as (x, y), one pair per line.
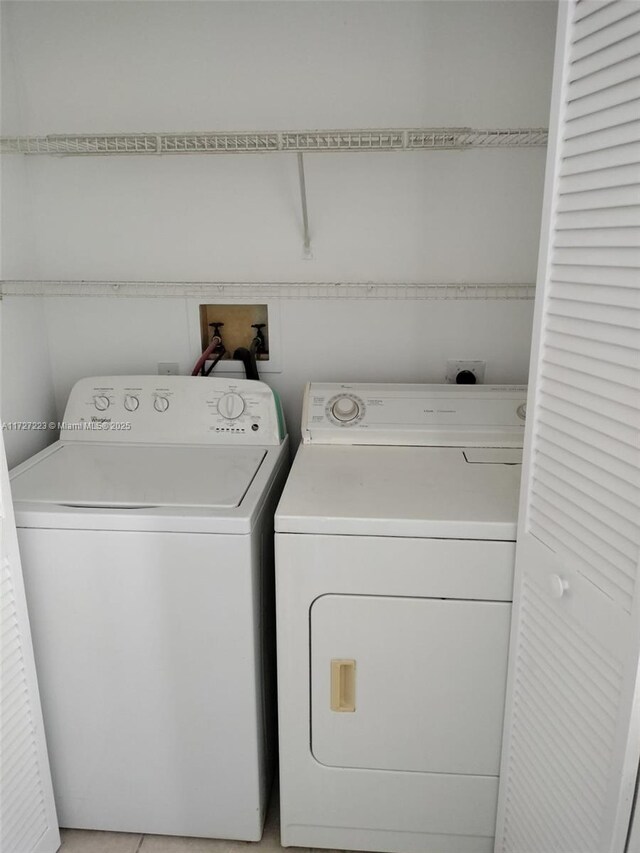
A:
(264, 142)
(307, 254)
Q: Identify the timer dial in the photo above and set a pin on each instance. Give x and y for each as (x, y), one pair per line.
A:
(346, 409)
(231, 406)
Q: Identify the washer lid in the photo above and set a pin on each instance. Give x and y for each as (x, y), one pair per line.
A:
(133, 477)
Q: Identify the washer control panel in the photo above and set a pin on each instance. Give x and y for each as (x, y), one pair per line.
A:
(437, 415)
(173, 410)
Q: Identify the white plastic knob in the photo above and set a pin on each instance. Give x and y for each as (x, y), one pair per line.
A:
(131, 402)
(557, 586)
(231, 406)
(345, 409)
(161, 404)
(101, 403)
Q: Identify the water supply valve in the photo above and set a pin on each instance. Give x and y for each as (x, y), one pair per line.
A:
(259, 343)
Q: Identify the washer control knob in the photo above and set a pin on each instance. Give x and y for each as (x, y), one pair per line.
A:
(345, 409)
(521, 411)
(101, 402)
(231, 406)
(161, 404)
(131, 402)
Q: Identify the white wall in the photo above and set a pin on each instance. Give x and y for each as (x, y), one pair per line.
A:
(26, 387)
(412, 217)
(415, 216)
(26, 381)
(245, 65)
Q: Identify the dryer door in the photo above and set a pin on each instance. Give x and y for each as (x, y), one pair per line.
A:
(408, 683)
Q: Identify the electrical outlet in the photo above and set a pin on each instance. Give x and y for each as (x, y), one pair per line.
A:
(168, 368)
(455, 366)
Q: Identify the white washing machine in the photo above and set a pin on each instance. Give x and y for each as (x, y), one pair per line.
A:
(394, 569)
(146, 539)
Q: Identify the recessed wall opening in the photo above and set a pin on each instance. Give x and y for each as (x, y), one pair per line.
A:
(237, 326)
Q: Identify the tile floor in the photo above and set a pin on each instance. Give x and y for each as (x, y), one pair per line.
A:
(84, 841)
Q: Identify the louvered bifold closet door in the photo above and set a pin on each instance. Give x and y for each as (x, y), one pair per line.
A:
(572, 723)
(28, 821)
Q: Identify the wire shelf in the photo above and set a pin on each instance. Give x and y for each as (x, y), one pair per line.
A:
(262, 292)
(386, 139)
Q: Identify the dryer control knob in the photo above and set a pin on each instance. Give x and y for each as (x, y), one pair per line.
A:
(101, 403)
(131, 402)
(345, 409)
(231, 406)
(161, 404)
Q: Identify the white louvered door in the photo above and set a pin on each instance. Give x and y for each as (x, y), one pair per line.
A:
(28, 821)
(572, 726)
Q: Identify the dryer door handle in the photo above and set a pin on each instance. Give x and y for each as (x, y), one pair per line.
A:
(343, 685)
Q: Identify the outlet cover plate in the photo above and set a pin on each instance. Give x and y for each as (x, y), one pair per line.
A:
(455, 365)
(168, 368)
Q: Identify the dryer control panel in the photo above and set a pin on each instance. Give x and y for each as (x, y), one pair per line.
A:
(396, 414)
(173, 410)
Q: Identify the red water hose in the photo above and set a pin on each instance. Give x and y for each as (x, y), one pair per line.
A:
(206, 355)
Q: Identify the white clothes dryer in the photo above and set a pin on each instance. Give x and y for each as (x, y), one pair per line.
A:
(146, 541)
(394, 570)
